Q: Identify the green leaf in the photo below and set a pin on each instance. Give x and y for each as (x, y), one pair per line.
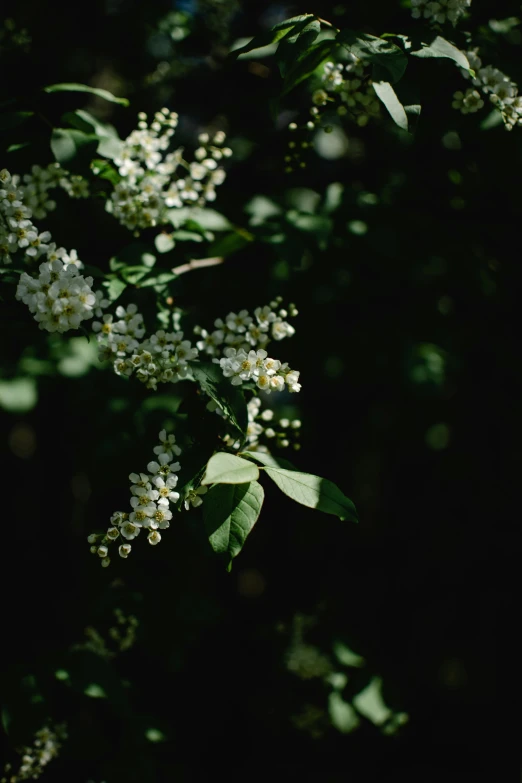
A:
(224, 468)
(342, 715)
(388, 96)
(370, 703)
(18, 395)
(230, 243)
(261, 209)
(164, 243)
(296, 44)
(11, 119)
(269, 459)
(67, 143)
(314, 492)
(493, 119)
(229, 398)
(115, 288)
(306, 64)
(109, 145)
(439, 47)
(274, 35)
(85, 88)
(504, 26)
(158, 280)
(134, 274)
(21, 146)
(230, 511)
(137, 253)
(380, 52)
(209, 219)
(104, 170)
(182, 235)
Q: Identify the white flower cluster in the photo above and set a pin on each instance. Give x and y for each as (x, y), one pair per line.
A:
(151, 495)
(160, 358)
(355, 90)
(123, 634)
(241, 339)
(46, 746)
(268, 374)
(493, 84)
(59, 297)
(439, 10)
(265, 425)
(154, 180)
(36, 186)
(243, 331)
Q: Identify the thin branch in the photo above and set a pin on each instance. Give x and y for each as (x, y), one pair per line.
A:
(329, 24)
(197, 263)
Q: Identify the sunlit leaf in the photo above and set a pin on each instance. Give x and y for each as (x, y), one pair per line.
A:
(70, 87)
(66, 143)
(314, 492)
(224, 468)
(369, 702)
(230, 511)
(18, 394)
(439, 47)
(388, 96)
(378, 51)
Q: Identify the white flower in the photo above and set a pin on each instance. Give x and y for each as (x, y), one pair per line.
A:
(124, 550)
(276, 383)
(130, 530)
(291, 380)
(127, 313)
(467, 102)
(238, 322)
(163, 467)
(161, 518)
(282, 329)
(193, 498)
(165, 488)
(332, 75)
(154, 537)
(185, 352)
(71, 259)
(106, 327)
(491, 78)
(167, 445)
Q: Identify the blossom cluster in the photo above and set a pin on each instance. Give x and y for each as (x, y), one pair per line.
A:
(238, 344)
(45, 747)
(491, 83)
(351, 84)
(162, 357)
(440, 11)
(153, 180)
(151, 496)
(243, 331)
(123, 634)
(59, 297)
(268, 374)
(24, 198)
(264, 425)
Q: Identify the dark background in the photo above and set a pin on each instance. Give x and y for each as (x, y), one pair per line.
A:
(423, 588)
